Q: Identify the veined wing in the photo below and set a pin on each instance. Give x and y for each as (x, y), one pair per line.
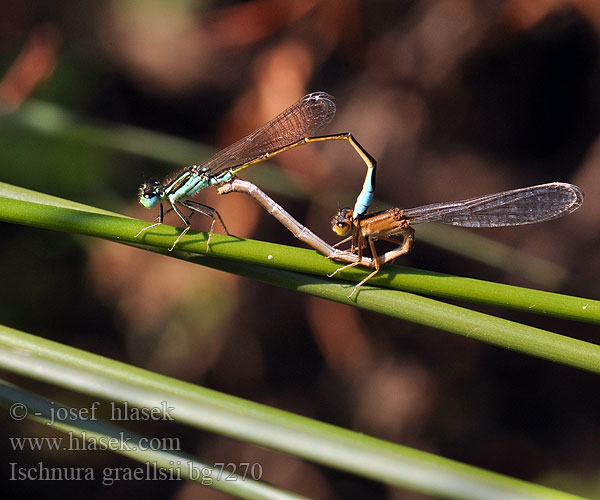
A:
(509, 208)
(305, 118)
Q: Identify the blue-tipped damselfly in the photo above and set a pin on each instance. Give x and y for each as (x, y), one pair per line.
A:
(299, 124)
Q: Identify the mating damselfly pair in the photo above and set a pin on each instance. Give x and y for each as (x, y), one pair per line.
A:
(298, 125)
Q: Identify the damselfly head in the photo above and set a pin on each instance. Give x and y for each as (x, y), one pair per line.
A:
(150, 193)
(342, 221)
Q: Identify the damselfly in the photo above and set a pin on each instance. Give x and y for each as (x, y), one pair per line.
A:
(527, 205)
(299, 124)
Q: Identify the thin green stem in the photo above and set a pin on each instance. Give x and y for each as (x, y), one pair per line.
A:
(121, 229)
(252, 422)
(289, 267)
(87, 432)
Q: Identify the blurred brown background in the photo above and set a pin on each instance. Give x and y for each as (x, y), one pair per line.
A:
(455, 98)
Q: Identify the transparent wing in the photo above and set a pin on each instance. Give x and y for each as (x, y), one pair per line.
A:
(305, 118)
(509, 208)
